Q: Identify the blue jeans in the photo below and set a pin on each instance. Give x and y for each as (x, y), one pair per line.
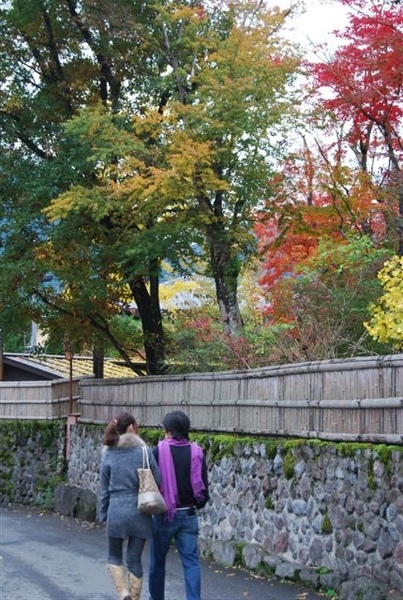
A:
(184, 530)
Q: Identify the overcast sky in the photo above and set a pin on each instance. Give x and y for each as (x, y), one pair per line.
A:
(318, 21)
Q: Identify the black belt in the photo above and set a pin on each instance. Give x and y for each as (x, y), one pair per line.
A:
(188, 510)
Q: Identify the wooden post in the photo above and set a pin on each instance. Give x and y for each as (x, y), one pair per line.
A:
(1, 356)
(70, 357)
(71, 420)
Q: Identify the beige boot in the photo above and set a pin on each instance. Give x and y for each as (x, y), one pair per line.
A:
(135, 586)
(119, 578)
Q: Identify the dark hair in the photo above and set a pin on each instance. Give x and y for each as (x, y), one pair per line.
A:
(117, 427)
(178, 424)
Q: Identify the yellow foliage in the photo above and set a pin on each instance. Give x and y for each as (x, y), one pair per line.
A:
(179, 293)
(386, 324)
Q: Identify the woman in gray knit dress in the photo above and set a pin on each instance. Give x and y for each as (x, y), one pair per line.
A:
(119, 485)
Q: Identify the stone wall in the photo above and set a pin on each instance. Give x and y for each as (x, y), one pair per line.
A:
(330, 512)
(335, 508)
(323, 513)
(32, 461)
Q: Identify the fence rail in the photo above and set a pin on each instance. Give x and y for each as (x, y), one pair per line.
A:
(351, 399)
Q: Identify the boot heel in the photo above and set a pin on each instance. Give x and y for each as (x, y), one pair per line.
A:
(136, 583)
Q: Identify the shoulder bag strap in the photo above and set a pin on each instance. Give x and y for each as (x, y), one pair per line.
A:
(146, 462)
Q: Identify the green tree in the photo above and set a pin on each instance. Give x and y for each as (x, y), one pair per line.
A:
(57, 58)
(133, 134)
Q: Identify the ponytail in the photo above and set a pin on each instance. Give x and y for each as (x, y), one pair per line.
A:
(111, 435)
(117, 427)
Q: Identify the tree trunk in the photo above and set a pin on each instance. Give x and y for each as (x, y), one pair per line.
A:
(396, 177)
(399, 185)
(98, 354)
(228, 305)
(225, 270)
(151, 320)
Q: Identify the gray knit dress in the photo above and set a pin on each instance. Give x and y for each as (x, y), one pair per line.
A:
(119, 487)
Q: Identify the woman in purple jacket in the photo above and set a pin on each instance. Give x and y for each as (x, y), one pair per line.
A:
(184, 486)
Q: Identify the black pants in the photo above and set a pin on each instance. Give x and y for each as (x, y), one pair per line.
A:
(134, 551)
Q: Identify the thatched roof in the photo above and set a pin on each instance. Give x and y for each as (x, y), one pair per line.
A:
(47, 367)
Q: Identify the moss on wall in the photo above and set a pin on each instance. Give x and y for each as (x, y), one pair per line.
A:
(327, 526)
(219, 445)
(38, 447)
(228, 445)
(31, 461)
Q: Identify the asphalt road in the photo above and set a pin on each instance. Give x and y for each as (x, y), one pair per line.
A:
(44, 556)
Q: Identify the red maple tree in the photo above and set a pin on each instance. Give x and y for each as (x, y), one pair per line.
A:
(363, 81)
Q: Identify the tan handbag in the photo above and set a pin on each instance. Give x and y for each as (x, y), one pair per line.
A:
(150, 500)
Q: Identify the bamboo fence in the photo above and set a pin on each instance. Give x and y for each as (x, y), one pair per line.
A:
(353, 399)
(38, 400)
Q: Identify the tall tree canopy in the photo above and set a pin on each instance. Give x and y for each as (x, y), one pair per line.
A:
(134, 133)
